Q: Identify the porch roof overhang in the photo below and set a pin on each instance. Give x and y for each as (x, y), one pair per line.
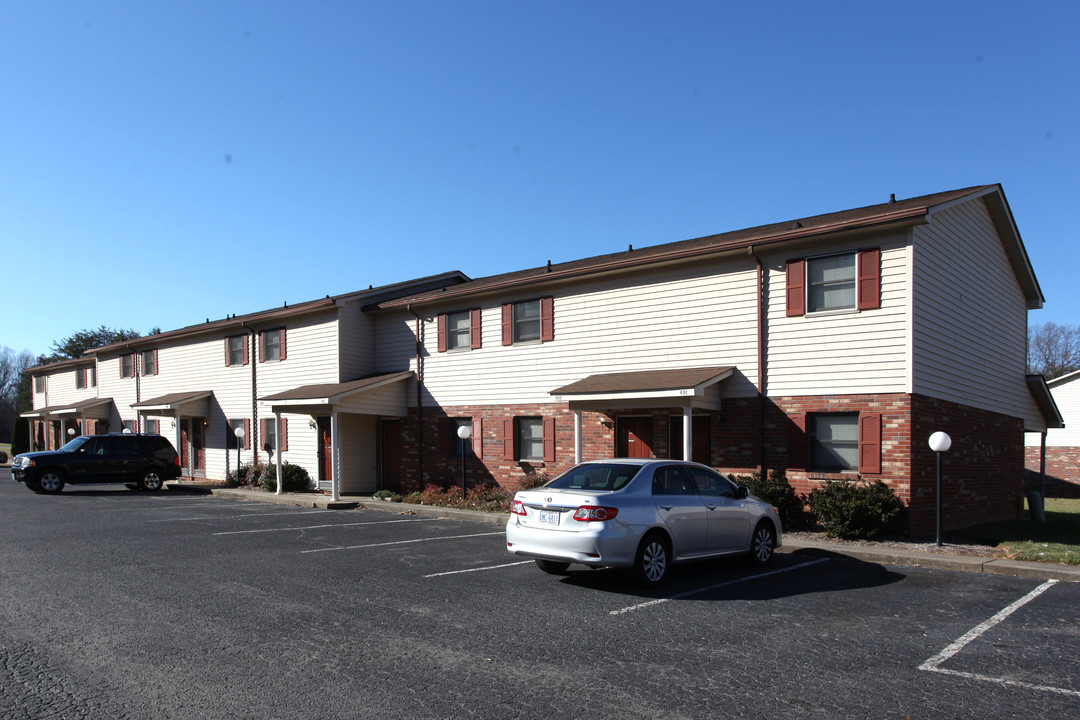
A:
(1040, 392)
(88, 408)
(686, 387)
(326, 397)
(175, 403)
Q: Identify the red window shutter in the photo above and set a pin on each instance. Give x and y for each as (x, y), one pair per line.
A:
(247, 433)
(549, 439)
(157, 367)
(869, 270)
(284, 435)
(262, 347)
(508, 439)
(281, 343)
(797, 442)
(507, 324)
(444, 436)
(262, 430)
(475, 329)
(440, 321)
(478, 437)
(547, 319)
(226, 352)
(246, 352)
(870, 443)
(796, 288)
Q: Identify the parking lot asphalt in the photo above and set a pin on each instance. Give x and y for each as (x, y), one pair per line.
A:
(880, 555)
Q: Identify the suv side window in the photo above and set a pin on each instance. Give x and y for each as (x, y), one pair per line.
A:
(125, 445)
(94, 446)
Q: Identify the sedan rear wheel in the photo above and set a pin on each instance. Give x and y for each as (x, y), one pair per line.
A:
(552, 567)
(51, 482)
(762, 543)
(653, 558)
(150, 480)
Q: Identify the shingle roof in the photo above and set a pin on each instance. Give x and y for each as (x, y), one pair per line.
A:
(329, 390)
(643, 381)
(909, 210)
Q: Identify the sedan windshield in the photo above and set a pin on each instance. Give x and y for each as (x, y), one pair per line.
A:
(75, 444)
(599, 476)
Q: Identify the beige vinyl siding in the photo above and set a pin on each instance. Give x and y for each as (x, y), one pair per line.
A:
(970, 315)
(1067, 396)
(357, 467)
(356, 351)
(121, 390)
(843, 352)
(669, 318)
(60, 389)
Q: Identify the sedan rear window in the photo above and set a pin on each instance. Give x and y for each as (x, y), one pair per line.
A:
(599, 477)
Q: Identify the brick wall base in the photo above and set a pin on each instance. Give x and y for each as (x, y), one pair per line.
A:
(1062, 471)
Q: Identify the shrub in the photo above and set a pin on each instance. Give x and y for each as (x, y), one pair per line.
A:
(852, 510)
(491, 498)
(776, 491)
(296, 478)
(384, 495)
(534, 480)
(244, 475)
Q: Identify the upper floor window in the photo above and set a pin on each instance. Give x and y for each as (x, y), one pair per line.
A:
(236, 350)
(459, 330)
(846, 281)
(528, 321)
(91, 376)
(272, 345)
(80, 378)
(149, 362)
(39, 384)
(127, 365)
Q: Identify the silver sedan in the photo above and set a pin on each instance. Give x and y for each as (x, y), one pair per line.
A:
(640, 514)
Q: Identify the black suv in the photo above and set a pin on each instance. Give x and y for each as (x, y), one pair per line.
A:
(146, 460)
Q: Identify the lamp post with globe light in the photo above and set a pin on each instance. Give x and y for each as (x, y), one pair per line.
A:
(940, 443)
(464, 432)
(239, 433)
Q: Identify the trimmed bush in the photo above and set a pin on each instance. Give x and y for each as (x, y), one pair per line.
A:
(857, 510)
(296, 478)
(778, 492)
(244, 475)
(534, 480)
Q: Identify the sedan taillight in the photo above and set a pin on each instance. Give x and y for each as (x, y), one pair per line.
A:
(517, 508)
(594, 513)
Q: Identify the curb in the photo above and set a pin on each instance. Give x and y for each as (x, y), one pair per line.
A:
(884, 556)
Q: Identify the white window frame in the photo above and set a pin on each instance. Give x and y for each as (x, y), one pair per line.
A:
(826, 287)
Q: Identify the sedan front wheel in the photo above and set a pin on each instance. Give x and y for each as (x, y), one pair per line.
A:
(762, 543)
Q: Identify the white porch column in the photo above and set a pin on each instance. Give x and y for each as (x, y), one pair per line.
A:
(577, 437)
(277, 450)
(335, 482)
(688, 433)
(179, 435)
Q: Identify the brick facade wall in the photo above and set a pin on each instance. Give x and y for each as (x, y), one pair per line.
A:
(1062, 470)
(983, 472)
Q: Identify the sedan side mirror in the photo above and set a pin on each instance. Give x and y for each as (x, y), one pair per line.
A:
(742, 493)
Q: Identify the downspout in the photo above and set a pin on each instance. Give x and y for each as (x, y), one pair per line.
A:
(419, 401)
(760, 360)
(254, 395)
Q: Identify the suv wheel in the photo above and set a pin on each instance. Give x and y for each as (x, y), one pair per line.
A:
(50, 482)
(150, 480)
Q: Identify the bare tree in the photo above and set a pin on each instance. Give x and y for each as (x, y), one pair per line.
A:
(12, 365)
(1053, 350)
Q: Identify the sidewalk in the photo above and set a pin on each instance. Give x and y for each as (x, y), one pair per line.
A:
(883, 556)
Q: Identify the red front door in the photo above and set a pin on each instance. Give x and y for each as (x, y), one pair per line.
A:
(326, 450)
(635, 437)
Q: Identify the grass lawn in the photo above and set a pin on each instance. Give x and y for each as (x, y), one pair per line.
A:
(1055, 541)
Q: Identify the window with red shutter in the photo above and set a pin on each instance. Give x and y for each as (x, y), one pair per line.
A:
(284, 434)
(440, 323)
(549, 439)
(507, 324)
(547, 319)
(475, 329)
(478, 437)
(508, 439)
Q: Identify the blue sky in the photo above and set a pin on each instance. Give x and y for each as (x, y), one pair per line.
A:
(161, 163)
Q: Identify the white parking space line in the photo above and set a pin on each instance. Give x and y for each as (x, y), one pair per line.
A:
(489, 567)
(320, 527)
(934, 663)
(242, 515)
(690, 593)
(402, 542)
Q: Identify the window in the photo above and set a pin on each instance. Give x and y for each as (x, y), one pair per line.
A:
(153, 426)
(846, 281)
(530, 438)
(231, 440)
(711, 483)
(672, 480)
(80, 378)
(528, 321)
(236, 350)
(459, 330)
(834, 441)
(454, 447)
(129, 425)
(127, 365)
(149, 362)
(39, 384)
(271, 441)
(272, 345)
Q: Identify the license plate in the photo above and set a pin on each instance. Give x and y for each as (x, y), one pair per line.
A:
(549, 517)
